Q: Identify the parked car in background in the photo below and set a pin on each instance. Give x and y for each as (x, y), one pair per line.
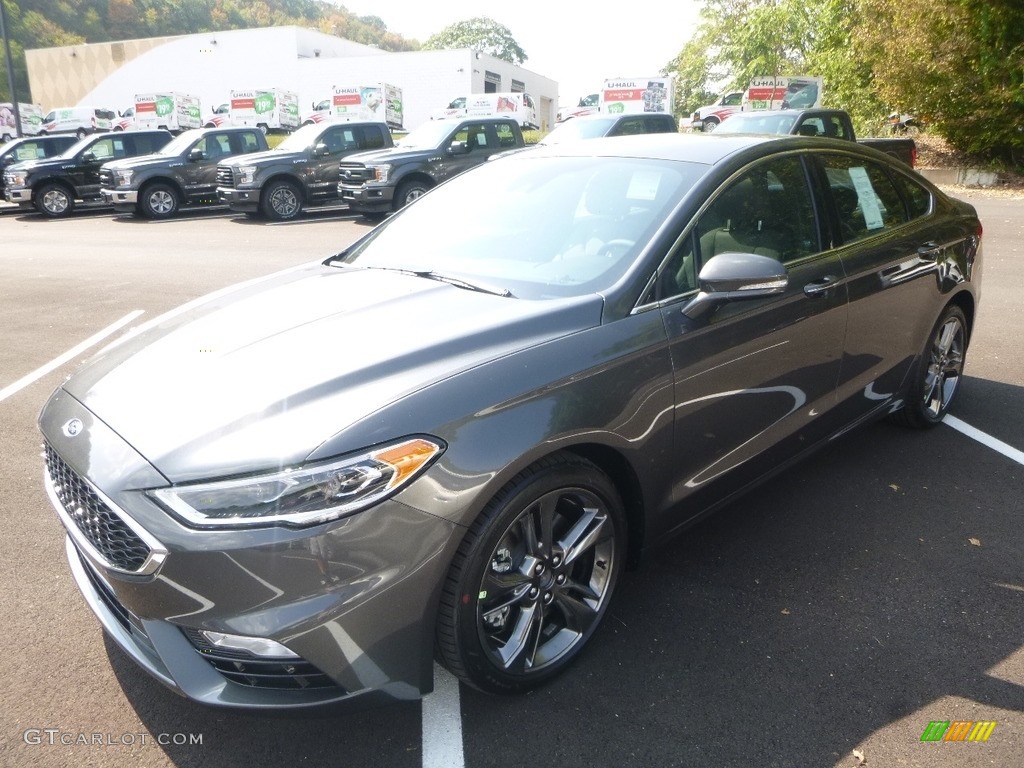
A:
(827, 123)
(302, 171)
(376, 183)
(183, 172)
(221, 115)
(451, 438)
(587, 105)
(80, 121)
(31, 148)
(596, 126)
(53, 185)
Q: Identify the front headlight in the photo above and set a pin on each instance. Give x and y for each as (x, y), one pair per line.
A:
(246, 174)
(16, 178)
(380, 173)
(304, 496)
(123, 178)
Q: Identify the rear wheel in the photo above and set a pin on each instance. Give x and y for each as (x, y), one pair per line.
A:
(936, 378)
(159, 201)
(54, 200)
(533, 577)
(81, 133)
(709, 125)
(281, 201)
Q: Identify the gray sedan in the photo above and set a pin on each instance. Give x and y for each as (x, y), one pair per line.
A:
(454, 437)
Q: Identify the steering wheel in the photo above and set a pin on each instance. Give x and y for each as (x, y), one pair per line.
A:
(608, 250)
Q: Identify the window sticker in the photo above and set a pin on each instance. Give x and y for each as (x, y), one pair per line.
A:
(867, 198)
(643, 185)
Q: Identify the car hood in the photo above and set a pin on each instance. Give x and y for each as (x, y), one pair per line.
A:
(391, 153)
(260, 376)
(145, 161)
(40, 165)
(271, 155)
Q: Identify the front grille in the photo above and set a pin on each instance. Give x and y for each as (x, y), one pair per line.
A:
(258, 671)
(106, 178)
(111, 537)
(224, 176)
(354, 173)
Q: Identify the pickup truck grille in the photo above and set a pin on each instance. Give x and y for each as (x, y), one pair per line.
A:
(354, 173)
(224, 176)
(106, 178)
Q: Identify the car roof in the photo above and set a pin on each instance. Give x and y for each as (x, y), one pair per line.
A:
(686, 147)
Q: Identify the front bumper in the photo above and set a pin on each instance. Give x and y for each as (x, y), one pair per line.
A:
(354, 599)
(18, 195)
(119, 197)
(366, 198)
(239, 199)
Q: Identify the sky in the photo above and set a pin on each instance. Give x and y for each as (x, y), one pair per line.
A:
(578, 44)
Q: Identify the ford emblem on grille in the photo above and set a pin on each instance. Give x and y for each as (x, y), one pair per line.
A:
(73, 427)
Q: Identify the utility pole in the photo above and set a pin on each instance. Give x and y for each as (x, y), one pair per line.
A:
(10, 71)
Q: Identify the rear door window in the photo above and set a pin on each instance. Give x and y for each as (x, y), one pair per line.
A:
(866, 200)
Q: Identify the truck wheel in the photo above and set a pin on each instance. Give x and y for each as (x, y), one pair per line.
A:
(281, 201)
(409, 191)
(54, 200)
(264, 128)
(159, 201)
(709, 125)
(81, 133)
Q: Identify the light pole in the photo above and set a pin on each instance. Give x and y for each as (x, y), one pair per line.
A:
(10, 71)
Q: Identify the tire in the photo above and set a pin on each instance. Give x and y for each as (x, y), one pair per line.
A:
(54, 201)
(533, 577)
(937, 373)
(264, 128)
(408, 191)
(159, 201)
(281, 201)
(709, 125)
(81, 133)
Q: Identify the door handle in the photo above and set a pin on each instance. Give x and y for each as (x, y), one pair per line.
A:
(822, 286)
(929, 250)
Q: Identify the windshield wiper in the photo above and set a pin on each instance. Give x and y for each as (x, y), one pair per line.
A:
(458, 282)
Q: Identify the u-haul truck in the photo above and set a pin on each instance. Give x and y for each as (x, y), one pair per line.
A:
(783, 93)
(638, 94)
(270, 109)
(174, 111)
(381, 102)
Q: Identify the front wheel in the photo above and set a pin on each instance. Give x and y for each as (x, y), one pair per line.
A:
(709, 126)
(54, 200)
(533, 577)
(936, 377)
(409, 191)
(281, 201)
(159, 201)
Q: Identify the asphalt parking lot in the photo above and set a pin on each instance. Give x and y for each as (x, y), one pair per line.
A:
(842, 607)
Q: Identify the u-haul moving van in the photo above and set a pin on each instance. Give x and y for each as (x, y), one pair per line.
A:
(783, 93)
(172, 111)
(271, 109)
(638, 94)
(31, 116)
(518, 105)
(78, 120)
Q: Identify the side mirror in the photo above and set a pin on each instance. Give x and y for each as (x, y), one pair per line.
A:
(458, 148)
(89, 157)
(196, 154)
(321, 150)
(736, 276)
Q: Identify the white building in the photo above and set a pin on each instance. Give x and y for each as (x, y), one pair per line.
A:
(311, 63)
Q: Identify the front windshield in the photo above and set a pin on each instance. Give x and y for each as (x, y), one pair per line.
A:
(180, 143)
(302, 139)
(578, 128)
(426, 136)
(755, 123)
(539, 228)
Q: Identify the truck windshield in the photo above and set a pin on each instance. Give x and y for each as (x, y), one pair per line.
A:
(428, 135)
(180, 143)
(579, 128)
(302, 139)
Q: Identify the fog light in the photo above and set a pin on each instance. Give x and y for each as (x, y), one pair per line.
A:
(258, 646)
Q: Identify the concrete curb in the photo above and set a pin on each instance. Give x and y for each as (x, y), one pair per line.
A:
(962, 177)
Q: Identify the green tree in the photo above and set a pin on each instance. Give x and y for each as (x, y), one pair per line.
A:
(481, 33)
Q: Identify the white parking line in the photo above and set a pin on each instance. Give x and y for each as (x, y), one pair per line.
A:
(985, 439)
(442, 723)
(24, 381)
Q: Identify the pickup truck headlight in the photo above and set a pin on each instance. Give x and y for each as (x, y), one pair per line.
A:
(306, 495)
(123, 178)
(246, 174)
(380, 173)
(16, 178)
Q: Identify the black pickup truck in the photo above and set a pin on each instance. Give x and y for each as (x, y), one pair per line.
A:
(302, 170)
(53, 185)
(830, 123)
(32, 148)
(374, 183)
(184, 172)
